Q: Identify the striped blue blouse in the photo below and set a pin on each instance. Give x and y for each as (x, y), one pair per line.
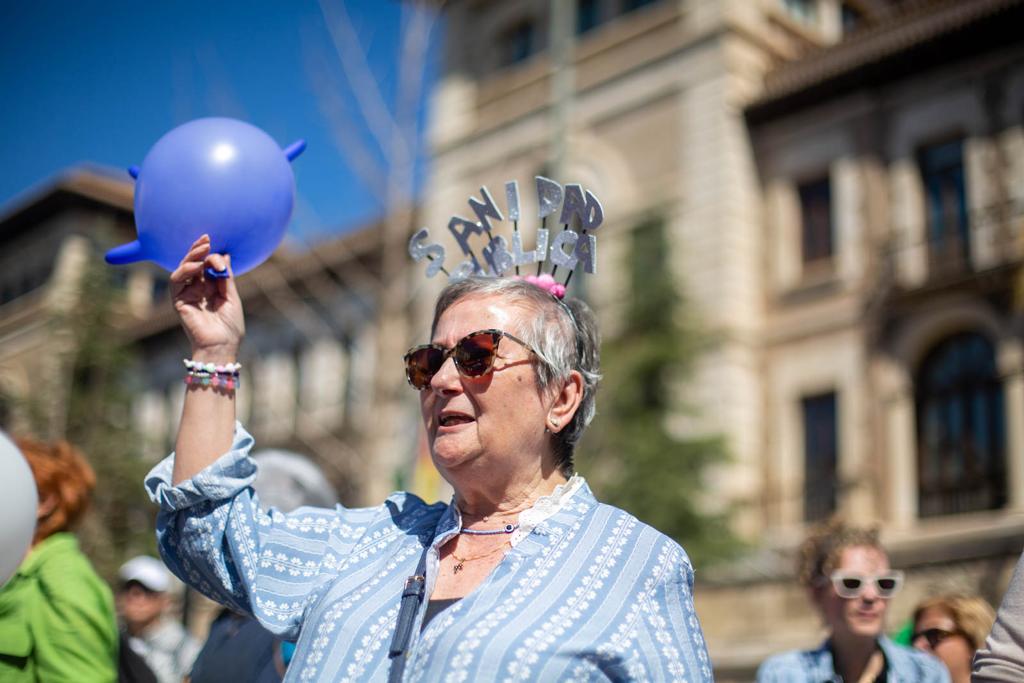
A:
(589, 594)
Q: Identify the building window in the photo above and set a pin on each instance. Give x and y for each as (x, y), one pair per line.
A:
(816, 221)
(942, 173)
(588, 15)
(24, 276)
(518, 43)
(821, 456)
(961, 431)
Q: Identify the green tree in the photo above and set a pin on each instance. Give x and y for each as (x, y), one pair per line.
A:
(99, 421)
(633, 460)
(101, 372)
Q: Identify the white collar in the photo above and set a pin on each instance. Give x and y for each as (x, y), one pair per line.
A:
(545, 507)
(542, 508)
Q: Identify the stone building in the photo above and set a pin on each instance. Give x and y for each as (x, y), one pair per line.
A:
(893, 208)
(842, 182)
(47, 237)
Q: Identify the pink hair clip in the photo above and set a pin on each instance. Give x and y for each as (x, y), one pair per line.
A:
(545, 282)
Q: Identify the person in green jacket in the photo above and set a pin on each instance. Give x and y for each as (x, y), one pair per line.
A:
(56, 615)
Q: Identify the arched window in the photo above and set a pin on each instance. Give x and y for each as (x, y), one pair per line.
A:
(961, 428)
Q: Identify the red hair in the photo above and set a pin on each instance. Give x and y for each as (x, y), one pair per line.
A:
(62, 474)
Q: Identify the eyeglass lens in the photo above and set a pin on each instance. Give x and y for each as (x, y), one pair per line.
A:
(852, 586)
(473, 356)
(934, 636)
(422, 364)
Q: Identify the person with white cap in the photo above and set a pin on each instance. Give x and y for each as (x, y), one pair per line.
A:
(143, 600)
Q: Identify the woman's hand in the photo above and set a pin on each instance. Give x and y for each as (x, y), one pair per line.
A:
(211, 314)
(210, 309)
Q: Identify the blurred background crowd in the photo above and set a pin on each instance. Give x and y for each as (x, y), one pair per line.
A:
(810, 285)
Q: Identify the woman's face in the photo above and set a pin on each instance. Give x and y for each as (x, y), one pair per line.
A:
(864, 615)
(954, 649)
(495, 421)
(139, 607)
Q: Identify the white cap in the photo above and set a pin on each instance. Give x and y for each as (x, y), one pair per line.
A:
(148, 571)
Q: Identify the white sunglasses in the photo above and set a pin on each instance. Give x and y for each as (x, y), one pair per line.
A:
(852, 584)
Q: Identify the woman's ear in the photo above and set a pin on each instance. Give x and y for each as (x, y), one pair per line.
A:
(44, 510)
(566, 402)
(46, 507)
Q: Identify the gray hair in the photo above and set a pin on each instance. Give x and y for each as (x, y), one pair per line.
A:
(564, 338)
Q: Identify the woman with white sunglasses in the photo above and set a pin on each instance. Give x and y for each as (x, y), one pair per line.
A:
(848, 578)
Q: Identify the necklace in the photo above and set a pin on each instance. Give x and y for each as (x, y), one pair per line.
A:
(507, 529)
(461, 560)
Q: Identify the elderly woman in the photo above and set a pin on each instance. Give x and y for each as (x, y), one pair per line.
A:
(953, 628)
(847, 574)
(523, 576)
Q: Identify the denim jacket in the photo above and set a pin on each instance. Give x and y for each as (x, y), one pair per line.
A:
(903, 664)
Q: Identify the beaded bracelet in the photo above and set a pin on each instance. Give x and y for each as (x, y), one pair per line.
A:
(212, 375)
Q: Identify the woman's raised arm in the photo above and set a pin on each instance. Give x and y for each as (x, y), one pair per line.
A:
(211, 315)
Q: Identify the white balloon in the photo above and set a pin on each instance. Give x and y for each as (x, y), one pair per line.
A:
(18, 505)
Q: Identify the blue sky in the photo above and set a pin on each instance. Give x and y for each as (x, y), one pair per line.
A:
(100, 82)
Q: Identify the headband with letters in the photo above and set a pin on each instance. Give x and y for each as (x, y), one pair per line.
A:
(579, 210)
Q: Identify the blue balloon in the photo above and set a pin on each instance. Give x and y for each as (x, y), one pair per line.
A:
(218, 176)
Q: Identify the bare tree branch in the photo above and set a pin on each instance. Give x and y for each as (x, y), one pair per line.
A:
(342, 127)
(294, 308)
(355, 268)
(388, 393)
(391, 177)
(412, 68)
(218, 84)
(365, 88)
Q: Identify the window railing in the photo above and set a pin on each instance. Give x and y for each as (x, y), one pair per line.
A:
(959, 498)
(947, 256)
(961, 428)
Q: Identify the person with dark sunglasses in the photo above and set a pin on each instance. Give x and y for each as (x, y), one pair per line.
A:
(524, 575)
(849, 580)
(953, 627)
